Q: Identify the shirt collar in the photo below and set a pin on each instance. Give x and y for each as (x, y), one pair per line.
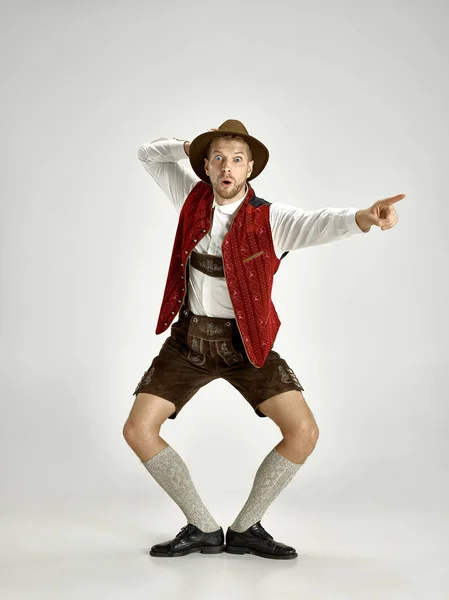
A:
(229, 209)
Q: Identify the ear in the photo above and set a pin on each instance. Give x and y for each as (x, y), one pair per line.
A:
(206, 165)
(250, 167)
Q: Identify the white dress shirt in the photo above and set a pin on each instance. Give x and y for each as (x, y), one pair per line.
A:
(291, 227)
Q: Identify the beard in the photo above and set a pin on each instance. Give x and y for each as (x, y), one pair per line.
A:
(228, 192)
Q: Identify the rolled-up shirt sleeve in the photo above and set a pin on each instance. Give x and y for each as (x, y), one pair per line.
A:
(160, 159)
(294, 228)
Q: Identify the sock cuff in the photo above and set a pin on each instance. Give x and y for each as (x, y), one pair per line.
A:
(160, 456)
(283, 459)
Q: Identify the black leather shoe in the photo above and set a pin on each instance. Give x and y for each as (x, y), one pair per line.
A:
(255, 540)
(191, 539)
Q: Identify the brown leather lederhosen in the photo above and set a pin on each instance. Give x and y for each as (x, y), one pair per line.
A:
(184, 364)
(209, 336)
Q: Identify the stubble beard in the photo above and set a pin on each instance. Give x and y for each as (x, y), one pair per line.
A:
(227, 193)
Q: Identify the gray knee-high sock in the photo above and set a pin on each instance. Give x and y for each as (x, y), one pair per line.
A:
(172, 474)
(272, 477)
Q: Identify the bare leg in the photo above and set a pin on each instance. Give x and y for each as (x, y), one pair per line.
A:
(297, 424)
(291, 413)
(141, 431)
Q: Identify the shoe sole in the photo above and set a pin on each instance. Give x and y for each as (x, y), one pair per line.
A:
(202, 549)
(246, 550)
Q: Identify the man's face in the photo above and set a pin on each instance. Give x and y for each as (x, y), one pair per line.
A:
(228, 162)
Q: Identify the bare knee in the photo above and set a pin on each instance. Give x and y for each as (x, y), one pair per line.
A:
(135, 431)
(146, 417)
(303, 437)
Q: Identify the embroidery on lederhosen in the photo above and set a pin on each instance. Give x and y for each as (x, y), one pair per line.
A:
(146, 377)
(289, 377)
(195, 355)
(211, 336)
(210, 329)
(228, 356)
(209, 264)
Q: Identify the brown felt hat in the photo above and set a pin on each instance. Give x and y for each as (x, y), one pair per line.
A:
(198, 147)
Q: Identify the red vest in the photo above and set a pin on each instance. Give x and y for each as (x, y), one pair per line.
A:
(249, 263)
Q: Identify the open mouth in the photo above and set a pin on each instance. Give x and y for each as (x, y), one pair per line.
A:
(226, 182)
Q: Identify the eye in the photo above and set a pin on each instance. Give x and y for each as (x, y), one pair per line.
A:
(218, 156)
(238, 157)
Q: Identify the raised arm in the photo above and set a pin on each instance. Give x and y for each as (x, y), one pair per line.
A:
(294, 228)
(160, 159)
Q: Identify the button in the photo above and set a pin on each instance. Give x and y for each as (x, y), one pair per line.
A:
(182, 276)
(186, 251)
(179, 300)
(182, 264)
(195, 240)
(204, 231)
(172, 313)
(165, 323)
(182, 289)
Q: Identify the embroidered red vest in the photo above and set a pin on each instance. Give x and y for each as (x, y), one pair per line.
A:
(249, 263)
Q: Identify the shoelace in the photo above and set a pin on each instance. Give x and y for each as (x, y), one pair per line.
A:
(183, 529)
(262, 532)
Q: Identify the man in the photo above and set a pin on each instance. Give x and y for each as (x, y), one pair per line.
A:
(228, 246)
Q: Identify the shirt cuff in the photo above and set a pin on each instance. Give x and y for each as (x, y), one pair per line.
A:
(351, 223)
(177, 148)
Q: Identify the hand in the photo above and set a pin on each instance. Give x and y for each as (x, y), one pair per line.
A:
(187, 144)
(382, 214)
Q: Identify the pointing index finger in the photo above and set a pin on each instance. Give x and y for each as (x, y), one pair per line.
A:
(393, 199)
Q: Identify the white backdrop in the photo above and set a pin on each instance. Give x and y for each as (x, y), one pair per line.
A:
(351, 100)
